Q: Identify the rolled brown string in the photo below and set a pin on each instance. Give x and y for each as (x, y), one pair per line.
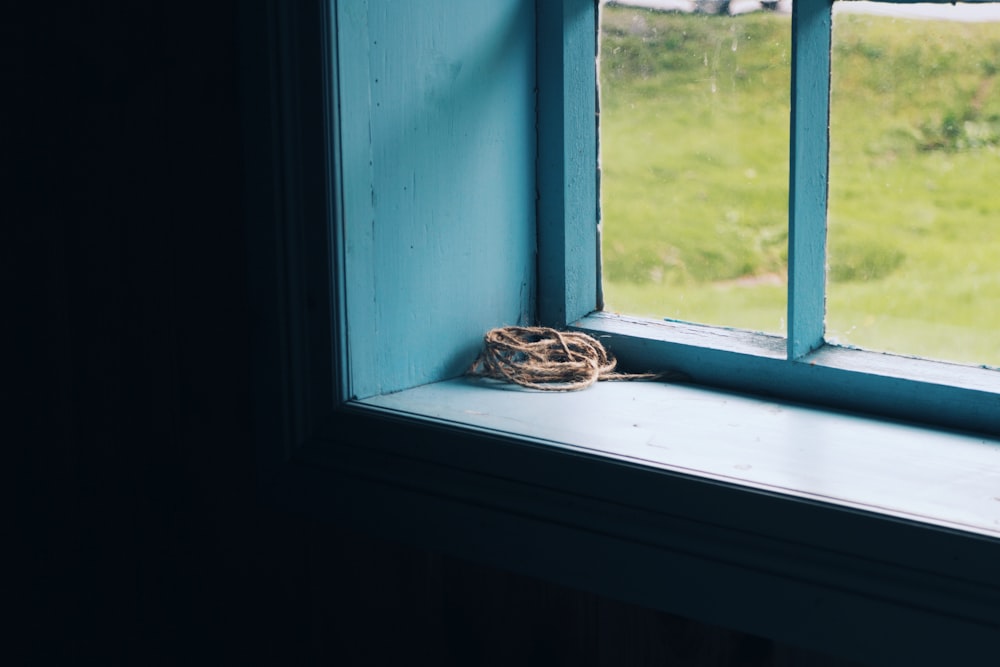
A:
(547, 359)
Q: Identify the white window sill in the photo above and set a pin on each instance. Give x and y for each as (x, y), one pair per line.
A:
(935, 477)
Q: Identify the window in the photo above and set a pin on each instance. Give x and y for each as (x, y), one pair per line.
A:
(809, 367)
(904, 181)
(395, 152)
(389, 160)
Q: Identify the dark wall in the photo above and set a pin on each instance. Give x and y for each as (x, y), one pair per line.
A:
(143, 540)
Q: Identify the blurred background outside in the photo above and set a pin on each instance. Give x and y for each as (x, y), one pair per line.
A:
(694, 139)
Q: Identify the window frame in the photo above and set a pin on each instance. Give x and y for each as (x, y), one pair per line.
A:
(900, 591)
(803, 366)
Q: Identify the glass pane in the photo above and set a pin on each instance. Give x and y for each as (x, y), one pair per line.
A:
(694, 161)
(914, 209)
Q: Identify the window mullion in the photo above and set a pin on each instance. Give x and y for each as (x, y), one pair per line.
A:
(567, 155)
(811, 21)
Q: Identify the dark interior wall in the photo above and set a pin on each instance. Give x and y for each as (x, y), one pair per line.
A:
(137, 520)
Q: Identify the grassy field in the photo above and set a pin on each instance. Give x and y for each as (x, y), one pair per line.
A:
(694, 160)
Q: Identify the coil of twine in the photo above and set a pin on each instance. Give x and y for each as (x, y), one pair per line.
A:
(547, 359)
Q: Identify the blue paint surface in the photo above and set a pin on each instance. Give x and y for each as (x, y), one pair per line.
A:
(440, 115)
(567, 159)
(808, 186)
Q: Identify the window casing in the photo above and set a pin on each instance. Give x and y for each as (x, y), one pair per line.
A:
(808, 368)
(701, 547)
(560, 286)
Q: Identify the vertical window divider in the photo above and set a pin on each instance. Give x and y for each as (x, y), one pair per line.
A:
(566, 81)
(808, 171)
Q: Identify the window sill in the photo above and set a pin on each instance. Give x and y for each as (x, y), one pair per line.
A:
(871, 540)
(936, 477)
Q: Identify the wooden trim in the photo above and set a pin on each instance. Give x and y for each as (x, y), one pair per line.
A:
(356, 210)
(808, 175)
(282, 101)
(935, 393)
(567, 160)
(437, 151)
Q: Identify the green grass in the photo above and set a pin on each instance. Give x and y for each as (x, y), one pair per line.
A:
(694, 177)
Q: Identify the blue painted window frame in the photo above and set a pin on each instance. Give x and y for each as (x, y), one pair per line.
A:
(566, 516)
(803, 366)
